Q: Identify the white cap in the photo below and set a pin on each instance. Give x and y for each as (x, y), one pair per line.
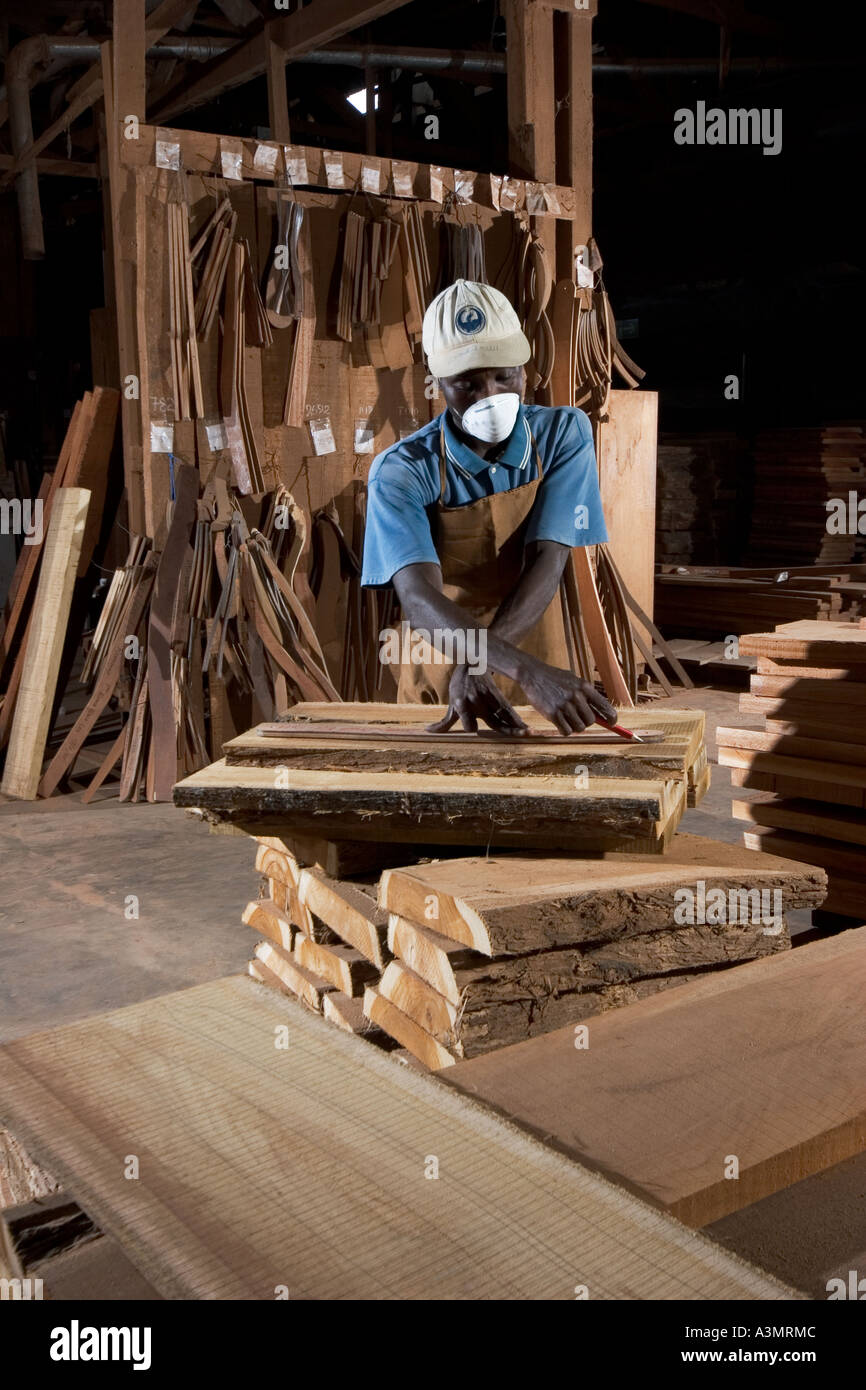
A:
(469, 326)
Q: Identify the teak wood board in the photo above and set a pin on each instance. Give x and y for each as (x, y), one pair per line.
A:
(816, 642)
(766, 1062)
(456, 809)
(511, 905)
(197, 1072)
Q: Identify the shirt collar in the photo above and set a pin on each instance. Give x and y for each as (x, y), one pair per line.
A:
(514, 453)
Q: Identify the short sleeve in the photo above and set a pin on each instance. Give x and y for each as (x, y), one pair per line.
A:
(397, 531)
(568, 506)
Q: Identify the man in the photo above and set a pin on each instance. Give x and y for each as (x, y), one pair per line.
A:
(472, 519)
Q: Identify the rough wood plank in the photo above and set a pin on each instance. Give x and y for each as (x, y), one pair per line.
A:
(342, 966)
(308, 987)
(517, 1217)
(269, 920)
(815, 642)
(785, 1094)
(510, 906)
(351, 913)
(47, 634)
(405, 1031)
(808, 817)
(427, 808)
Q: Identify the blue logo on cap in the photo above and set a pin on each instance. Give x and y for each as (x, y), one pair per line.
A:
(470, 319)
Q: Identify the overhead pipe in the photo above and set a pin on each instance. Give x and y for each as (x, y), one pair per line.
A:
(48, 51)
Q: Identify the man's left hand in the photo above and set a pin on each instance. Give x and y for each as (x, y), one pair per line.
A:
(472, 697)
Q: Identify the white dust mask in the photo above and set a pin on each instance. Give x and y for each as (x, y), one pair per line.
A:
(492, 419)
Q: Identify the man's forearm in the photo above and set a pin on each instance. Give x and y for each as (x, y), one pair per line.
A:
(532, 595)
(426, 608)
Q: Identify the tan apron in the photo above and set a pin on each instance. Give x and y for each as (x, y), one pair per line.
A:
(480, 548)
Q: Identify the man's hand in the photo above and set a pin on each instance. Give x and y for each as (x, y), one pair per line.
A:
(473, 697)
(568, 702)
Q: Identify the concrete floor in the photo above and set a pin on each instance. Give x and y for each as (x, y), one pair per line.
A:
(68, 950)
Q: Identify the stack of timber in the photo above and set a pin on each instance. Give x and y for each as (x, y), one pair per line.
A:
(717, 601)
(803, 478)
(697, 487)
(810, 754)
(370, 778)
(325, 938)
(490, 951)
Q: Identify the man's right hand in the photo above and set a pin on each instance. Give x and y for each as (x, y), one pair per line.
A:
(567, 701)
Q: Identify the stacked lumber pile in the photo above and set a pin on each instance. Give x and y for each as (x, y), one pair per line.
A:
(797, 473)
(325, 939)
(716, 601)
(491, 951)
(372, 779)
(460, 953)
(697, 489)
(810, 755)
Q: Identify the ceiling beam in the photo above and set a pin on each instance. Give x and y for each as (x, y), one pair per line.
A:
(316, 24)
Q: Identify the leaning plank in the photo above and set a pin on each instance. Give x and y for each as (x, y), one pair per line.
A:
(433, 957)
(342, 966)
(159, 683)
(348, 911)
(405, 1031)
(308, 987)
(45, 644)
(268, 920)
(278, 865)
(785, 1094)
(607, 813)
(510, 906)
(65, 756)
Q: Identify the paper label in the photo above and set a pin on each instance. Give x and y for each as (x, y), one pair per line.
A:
(437, 183)
(509, 194)
(334, 172)
(585, 277)
(296, 164)
(265, 160)
(161, 439)
(216, 436)
(551, 197)
(364, 437)
(322, 436)
(231, 159)
(495, 190)
(371, 178)
(402, 176)
(167, 150)
(464, 185)
(536, 203)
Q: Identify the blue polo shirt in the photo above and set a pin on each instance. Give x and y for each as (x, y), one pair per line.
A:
(404, 484)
